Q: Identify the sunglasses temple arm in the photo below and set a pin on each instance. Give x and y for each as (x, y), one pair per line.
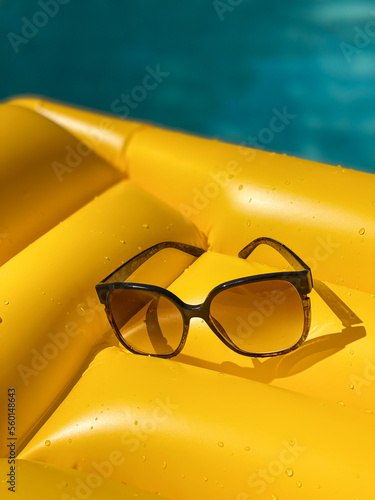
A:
(124, 271)
(289, 255)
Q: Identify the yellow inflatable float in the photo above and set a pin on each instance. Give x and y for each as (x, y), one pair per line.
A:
(82, 194)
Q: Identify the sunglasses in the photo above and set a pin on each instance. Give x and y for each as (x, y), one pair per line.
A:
(258, 316)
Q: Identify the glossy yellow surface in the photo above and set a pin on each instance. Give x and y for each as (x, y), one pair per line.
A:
(209, 423)
(40, 480)
(46, 174)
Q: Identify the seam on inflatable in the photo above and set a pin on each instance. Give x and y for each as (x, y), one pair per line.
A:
(123, 155)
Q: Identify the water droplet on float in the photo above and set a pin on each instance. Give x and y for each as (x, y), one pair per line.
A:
(351, 352)
(240, 187)
(220, 444)
(6, 302)
(362, 231)
(107, 258)
(122, 242)
(341, 403)
(69, 440)
(287, 183)
(205, 478)
(292, 443)
(62, 484)
(47, 442)
(248, 223)
(298, 484)
(135, 422)
(247, 448)
(317, 486)
(273, 497)
(351, 386)
(144, 458)
(164, 465)
(289, 472)
(146, 226)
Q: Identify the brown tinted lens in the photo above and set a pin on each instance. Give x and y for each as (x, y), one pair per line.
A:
(147, 321)
(260, 317)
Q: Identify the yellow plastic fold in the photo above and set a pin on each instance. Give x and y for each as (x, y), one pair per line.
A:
(35, 480)
(45, 176)
(106, 135)
(193, 433)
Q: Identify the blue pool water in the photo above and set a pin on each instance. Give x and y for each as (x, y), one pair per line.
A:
(224, 67)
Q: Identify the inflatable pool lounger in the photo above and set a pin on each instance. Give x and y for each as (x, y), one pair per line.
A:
(81, 416)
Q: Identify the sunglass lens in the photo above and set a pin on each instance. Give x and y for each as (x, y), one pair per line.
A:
(147, 321)
(261, 317)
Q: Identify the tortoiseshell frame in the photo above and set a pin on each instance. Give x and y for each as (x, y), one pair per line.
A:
(301, 279)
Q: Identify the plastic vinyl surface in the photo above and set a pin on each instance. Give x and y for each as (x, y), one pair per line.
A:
(209, 423)
(40, 480)
(36, 191)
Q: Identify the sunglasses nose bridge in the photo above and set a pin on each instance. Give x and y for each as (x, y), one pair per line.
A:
(195, 311)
